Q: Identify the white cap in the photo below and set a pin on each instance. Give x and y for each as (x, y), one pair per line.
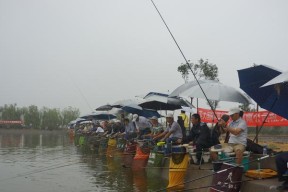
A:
(154, 117)
(170, 115)
(135, 116)
(234, 110)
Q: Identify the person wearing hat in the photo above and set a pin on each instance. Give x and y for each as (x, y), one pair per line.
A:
(143, 125)
(130, 129)
(219, 129)
(238, 135)
(173, 133)
(157, 128)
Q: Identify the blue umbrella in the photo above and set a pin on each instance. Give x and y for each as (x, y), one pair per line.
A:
(136, 109)
(99, 116)
(161, 101)
(271, 98)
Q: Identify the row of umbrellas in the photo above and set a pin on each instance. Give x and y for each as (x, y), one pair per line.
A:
(265, 85)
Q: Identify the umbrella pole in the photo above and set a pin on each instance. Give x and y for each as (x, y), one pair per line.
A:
(196, 104)
(265, 120)
(257, 110)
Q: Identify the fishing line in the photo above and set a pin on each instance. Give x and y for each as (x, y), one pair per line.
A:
(39, 171)
(79, 90)
(38, 155)
(187, 63)
(47, 168)
(203, 187)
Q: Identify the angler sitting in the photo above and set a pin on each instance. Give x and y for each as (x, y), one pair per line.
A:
(143, 125)
(173, 133)
(199, 136)
(219, 129)
(238, 136)
(130, 130)
(156, 128)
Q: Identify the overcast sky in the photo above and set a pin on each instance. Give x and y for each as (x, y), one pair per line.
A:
(60, 53)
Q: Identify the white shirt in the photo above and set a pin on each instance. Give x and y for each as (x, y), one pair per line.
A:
(99, 130)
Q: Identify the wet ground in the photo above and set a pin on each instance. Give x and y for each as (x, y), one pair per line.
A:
(48, 161)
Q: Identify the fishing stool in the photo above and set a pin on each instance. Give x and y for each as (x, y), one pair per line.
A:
(205, 155)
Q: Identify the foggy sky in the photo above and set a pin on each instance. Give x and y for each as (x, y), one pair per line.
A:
(61, 53)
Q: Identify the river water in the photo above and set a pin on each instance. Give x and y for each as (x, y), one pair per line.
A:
(48, 161)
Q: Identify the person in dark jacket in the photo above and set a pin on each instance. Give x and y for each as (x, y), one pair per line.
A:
(199, 136)
(218, 129)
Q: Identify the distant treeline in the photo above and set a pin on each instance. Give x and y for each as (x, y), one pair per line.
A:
(33, 117)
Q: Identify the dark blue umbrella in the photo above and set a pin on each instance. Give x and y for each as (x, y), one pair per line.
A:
(271, 98)
(161, 101)
(99, 116)
(136, 109)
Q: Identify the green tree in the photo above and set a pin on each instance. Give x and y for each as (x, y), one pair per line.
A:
(202, 70)
(32, 117)
(68, 114)
(51, 118)
(11, 112)
(246, 107)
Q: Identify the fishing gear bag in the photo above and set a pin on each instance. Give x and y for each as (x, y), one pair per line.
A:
(256, 148)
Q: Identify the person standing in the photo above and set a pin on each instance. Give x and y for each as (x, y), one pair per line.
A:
(185, 119)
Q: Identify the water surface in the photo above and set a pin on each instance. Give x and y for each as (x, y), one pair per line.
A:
(48, 161)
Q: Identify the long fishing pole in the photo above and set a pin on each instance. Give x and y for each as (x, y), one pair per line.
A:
(187, 63)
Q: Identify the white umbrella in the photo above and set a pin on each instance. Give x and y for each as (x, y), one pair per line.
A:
(189, 109)
(282, 78)
(214, 90)
(126, 102)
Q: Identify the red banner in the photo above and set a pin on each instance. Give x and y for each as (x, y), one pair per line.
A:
(11, 122)
(252, 118)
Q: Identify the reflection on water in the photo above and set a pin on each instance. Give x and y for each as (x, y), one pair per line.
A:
(33, 161)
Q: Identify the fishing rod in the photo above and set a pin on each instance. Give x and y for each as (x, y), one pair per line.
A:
(187, 63)
(217, 172)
